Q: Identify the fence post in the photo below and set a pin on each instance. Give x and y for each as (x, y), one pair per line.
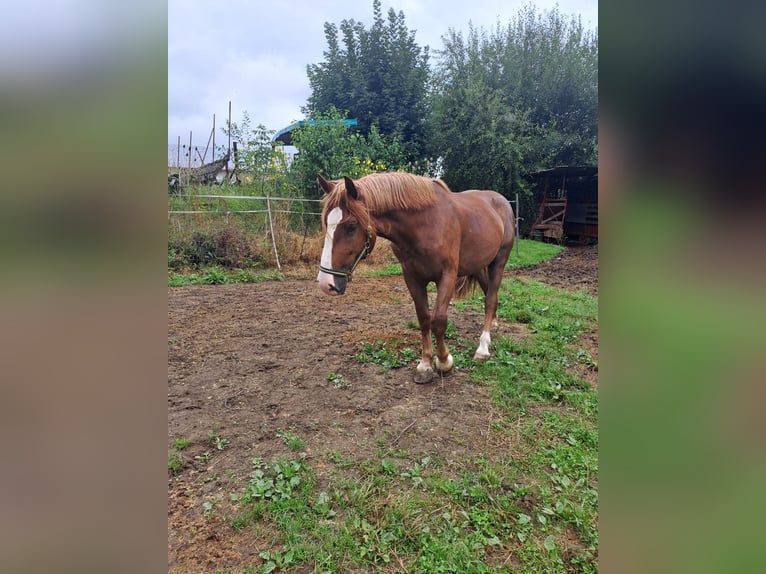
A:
(517, 224)
(271, 226)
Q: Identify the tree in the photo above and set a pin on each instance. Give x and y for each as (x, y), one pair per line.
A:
(378, 76)
(329, 148)
(264, 164)
(516, 100)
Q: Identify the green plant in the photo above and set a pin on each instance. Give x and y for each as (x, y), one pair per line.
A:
(389, 270)
(181, 443)
(338, 381)
(217, 441)
(291, 440)
(176, 462)
(204, 457)
(380, 354)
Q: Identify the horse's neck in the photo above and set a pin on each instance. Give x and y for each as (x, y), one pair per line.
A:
(391, 228)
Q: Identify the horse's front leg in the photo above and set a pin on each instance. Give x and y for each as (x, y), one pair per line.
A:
(445, 289)
(424, 372)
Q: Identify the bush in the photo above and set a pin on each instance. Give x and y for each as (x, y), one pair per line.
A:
(227, 247)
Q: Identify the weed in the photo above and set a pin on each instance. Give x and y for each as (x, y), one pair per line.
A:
(338, 381)
(208, 506)
(204, 457)
(217, 441)
(291, 440)
(176, 462)
(181, 443)
(381, 354)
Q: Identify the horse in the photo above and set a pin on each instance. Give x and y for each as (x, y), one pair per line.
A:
(455, 240)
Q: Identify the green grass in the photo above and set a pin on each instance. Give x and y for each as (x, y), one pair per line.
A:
(389, 270)
(531, 253)
(176, 462)
(181, 443)
(388, 356)
(216, 275)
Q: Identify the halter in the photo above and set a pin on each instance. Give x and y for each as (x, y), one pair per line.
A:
(347, 274)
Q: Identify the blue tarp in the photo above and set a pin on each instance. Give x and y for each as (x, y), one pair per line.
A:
(285, 135)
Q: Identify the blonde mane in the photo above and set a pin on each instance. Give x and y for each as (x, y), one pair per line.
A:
(381, 192)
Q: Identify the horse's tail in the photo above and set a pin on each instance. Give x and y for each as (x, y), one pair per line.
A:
(465, 285)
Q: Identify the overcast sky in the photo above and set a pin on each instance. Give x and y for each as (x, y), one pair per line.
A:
(254, 53)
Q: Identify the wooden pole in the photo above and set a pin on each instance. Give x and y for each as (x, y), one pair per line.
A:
(517, 225)
(190, 149)
(228, 149)
(273, 239)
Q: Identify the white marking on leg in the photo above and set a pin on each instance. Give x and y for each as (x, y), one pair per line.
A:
(446, 367)
(325, 279)
(483, 351)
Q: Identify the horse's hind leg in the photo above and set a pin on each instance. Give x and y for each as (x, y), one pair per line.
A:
(491, 288)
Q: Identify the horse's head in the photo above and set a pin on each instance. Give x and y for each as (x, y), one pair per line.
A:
(349, 234)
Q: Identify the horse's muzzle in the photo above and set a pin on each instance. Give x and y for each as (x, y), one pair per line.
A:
(333, 285)
(338, 286)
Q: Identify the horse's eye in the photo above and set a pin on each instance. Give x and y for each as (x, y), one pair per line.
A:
(351, 228)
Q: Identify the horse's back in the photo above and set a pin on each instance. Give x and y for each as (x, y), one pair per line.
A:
(486, 206)
(487, 228)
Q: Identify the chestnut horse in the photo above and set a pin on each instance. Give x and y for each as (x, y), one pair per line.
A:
(455, 240)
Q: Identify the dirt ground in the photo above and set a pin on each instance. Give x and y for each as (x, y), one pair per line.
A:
(246, 361)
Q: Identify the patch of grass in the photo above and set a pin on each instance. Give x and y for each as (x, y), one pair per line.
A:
(389, 270)
(181, 443)
(384, 355)
(291, 439)
(539, 368)
(531, 253)
(218, 276)
(176, 462)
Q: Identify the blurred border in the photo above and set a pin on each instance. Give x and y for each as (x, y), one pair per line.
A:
(682, 92)
(83, 102)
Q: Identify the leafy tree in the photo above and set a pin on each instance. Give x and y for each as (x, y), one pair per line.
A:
(329, 148)
(264, 166)
(378, 76)
(518, 99)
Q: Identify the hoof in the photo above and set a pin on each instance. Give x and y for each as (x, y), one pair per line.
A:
(444, 368)
(480, 356)
(424, 377)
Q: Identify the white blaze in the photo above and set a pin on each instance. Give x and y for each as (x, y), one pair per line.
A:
(325, 279)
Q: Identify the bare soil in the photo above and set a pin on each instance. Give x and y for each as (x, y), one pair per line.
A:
(248, 360)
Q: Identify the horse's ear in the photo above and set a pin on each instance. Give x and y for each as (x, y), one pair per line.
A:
(350, 187)
(324, 184)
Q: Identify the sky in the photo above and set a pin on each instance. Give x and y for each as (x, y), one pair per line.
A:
(254, 54)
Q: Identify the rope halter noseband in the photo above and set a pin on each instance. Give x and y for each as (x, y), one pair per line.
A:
(363, 255)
